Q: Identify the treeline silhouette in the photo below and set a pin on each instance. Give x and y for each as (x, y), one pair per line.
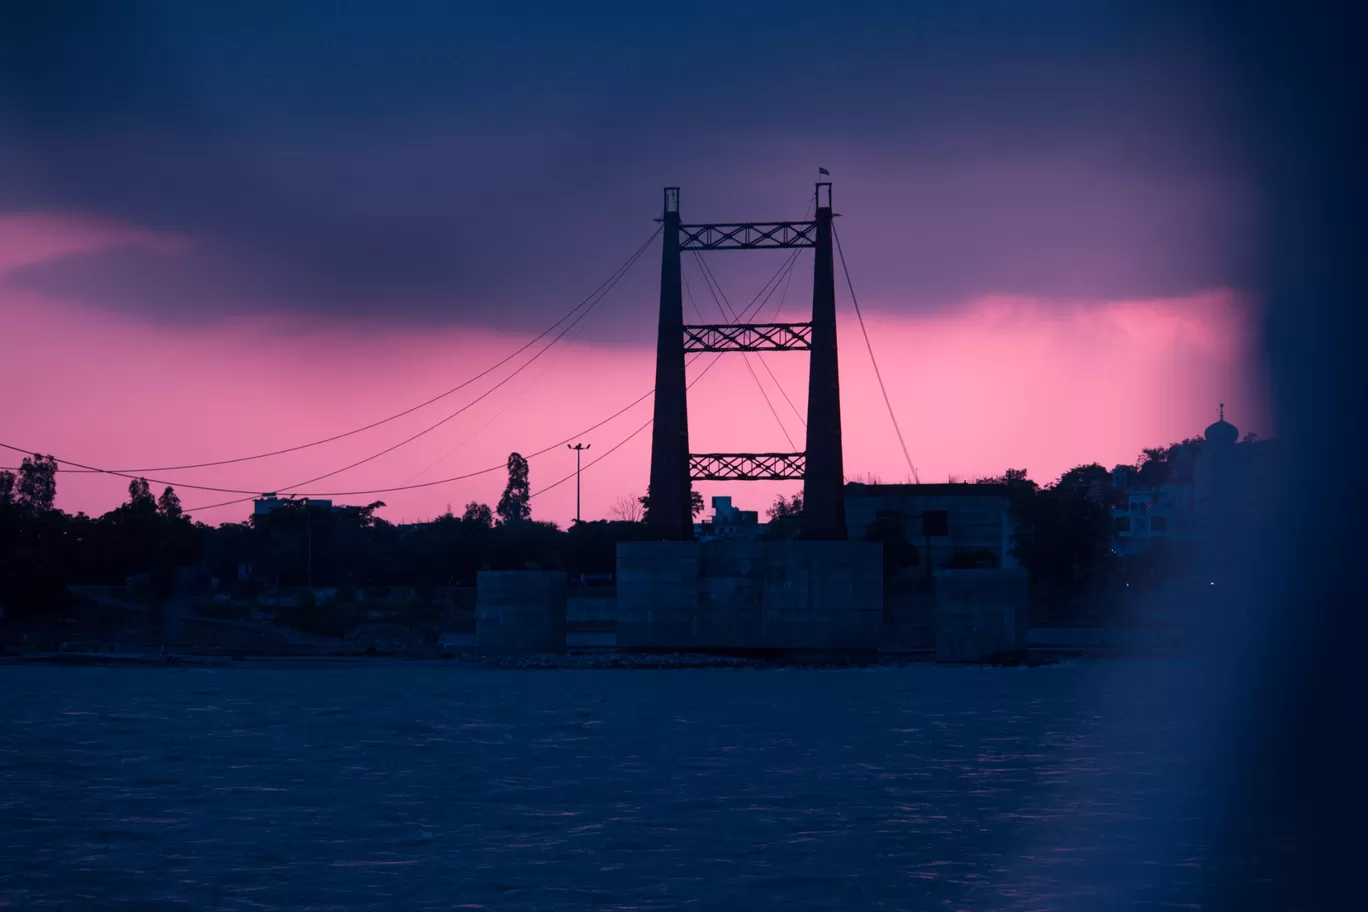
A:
(1064, 536)
(150, 537)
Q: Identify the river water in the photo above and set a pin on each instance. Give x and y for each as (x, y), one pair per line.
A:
(417, 786)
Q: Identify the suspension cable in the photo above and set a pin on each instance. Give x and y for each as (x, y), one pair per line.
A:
(734, 318)
(763, 363)
(752, 309)
(123, 473)
(595, 296)
(757, 304)
(498, 414)
(468, 405)
(783, 299)
(882, 388)
(160, 481)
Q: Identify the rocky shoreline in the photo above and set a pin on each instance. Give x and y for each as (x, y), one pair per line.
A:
(608, 659)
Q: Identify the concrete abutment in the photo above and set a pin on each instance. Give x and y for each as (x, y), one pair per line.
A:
(520, 611)
(750, 595)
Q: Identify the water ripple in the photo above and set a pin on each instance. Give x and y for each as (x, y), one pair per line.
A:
(435, 786)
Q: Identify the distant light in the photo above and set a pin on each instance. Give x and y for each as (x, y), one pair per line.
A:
(1213, 582)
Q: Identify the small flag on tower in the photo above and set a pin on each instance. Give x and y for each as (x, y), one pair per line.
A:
(824, 171)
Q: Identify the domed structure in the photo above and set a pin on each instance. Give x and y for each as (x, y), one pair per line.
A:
(1222, 432)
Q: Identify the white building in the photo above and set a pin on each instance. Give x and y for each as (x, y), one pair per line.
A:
(729, 522)
(1147, 515)
(1205, 487)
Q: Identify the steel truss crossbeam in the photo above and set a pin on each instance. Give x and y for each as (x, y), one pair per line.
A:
(748, 236)
(746, 466)
(748, 337)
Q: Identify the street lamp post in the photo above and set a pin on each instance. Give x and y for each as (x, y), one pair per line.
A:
(579, 449)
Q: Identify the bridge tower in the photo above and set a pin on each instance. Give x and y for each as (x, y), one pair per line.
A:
(820, 466)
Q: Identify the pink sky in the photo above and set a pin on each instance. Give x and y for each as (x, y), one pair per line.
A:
(979, 387)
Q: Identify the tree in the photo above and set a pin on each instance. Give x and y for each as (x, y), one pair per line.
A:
(366, 515)
(37, 485)
(1021, 491)
(513, 505)
(1092, 481)
(1012, 478)
(695, 503)
(7, 480)
(786, 509)
(1083, 477)
(591, 546)
(169, 504)
(785, 517)
(1173, 463)
(140, 493)
(898, 552)
(1062, 535)
(628, 508)
(479, 514)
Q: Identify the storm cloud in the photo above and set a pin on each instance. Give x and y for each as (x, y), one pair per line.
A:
(435, 165)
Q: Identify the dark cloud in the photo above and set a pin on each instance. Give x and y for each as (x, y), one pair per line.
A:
(434, 164)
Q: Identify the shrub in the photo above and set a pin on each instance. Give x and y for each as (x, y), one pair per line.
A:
(226, 611)
(308, 616)
(972, 559)
(898, 552)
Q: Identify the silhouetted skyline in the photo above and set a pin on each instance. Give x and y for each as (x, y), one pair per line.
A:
(229, 231)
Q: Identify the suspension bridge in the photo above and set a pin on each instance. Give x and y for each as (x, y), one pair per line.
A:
(818, 465)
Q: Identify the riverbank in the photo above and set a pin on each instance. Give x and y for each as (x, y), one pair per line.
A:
(594, 659)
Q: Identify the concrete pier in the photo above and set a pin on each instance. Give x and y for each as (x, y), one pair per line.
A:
(909, 602)
(750, 595)
(520, 611)
(980, 614)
